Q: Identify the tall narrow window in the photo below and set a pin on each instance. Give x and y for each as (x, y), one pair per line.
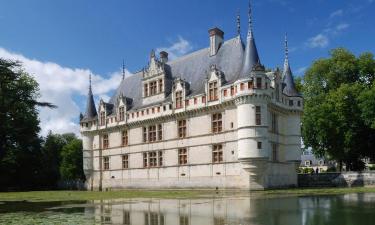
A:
(105, 141)
(182, 128)
(102, 118)
(160, 158)
(217, 123)
(145, 89)
(178, 99)
(212, 90)
(258, 115)
(144, 134)
(274, 127)
(217, 153)
(125, 139)
(106, 163)
(182, 156)
(160, 85)
(225, 93)
(160, 132)
(152, 157)
(152, 133)
(145, 161)
(122, 113)
(125, 161)
(195, 101)
(259, 82)
(203, 99)
(250, 84)
(274, 152)
(231, 90)
(242, 86)
(153, 90)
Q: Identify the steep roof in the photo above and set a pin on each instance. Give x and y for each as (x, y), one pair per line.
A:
(288, 81)
(193, 68)
(90, 106)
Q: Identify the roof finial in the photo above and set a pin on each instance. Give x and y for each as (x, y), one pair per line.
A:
(286, 46)
(250, 21)
(238, 23)
(123, 69)
(90, 82)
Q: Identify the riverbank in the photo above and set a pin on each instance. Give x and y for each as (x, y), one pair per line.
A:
(42, 196)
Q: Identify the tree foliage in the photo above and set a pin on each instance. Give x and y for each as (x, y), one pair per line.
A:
(71, 167)
(339, 110)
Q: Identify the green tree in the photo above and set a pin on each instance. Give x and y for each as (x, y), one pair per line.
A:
(71, 167)
(338, 116)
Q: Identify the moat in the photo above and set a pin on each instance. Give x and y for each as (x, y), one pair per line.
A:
(239, 209)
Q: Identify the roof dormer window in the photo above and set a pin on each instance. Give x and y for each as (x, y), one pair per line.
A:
(212, 90)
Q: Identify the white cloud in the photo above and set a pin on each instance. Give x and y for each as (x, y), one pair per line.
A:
(336, 13)
(59, 86)
(341, 27)
(179, 48)
(318, 41)
(301, 70)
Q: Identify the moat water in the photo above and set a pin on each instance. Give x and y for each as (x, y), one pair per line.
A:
(353, 209)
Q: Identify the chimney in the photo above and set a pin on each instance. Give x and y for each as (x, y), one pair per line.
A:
(216, 40)
(163, 56)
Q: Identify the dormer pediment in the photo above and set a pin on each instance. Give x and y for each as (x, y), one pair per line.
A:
(215, 74)
(155, 67)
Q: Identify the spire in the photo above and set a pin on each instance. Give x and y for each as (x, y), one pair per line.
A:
(289, 88)
(123, 69)
(238, 23)
(90, 107)
(251, 57)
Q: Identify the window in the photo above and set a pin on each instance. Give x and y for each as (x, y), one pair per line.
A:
(160, 132)
(153, 159)
(144, 134)
(125, 162)
(212, 90)
(250, 84)
(195, 101)
(102, 118)
(182, 156)
(307, 163)
(274, 127)
(217, 122)
(299, 103)
(106, 163)
(178, 99)
(152, 133)
(187, 102)
(153, 110)
(290, 102)
(259, 82)
(258, 114)
(231, 90)
(160, 85)
(105, 141)
(153, 88)
(146, 90)
(182, 128)
(242, 86)
(126, 218)
(274, 152)
(184, 220)
(122, 113)
(125, 139)
(160, 153)
(217, 153)
(203, 99)
(225, 93)
(259, 145)
(145, 161)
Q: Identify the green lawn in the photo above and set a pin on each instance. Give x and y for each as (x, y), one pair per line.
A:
(34, 196)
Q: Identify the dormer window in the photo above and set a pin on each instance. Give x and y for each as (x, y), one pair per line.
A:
(178, 99)
(160, 85)
(212, 90)
(153, 90)
(122, 113)
(146, 90)
(102, 118)
(259, 82)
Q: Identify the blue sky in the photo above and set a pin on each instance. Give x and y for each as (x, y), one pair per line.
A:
(60, 42)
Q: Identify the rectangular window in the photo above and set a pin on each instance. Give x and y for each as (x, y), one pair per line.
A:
(232, 91)
(217, 123)
(105, 141)
(217, 153)
(144, 134)
(106, 163)
(184, 220)
(259, 145)
(125, 162)
(152, 133)
(182, 128)
(160, 154)
(122, 113)
(274, 152)
(160, 85)
(225, 93)
(259, 82)
(182, 156)
(187, 102)
(160, 132)
(258, 114)
(145, 89)
(125, 138)
(290, 102)
(212, 90)
(178, 99)
(145, 161)
(195, 101)
(153, 110)
(152, 157)
(299, 103)
(250, 85)
(242, 86)
(102, 118)
(203, 99)
(153, 90)
(274, 127)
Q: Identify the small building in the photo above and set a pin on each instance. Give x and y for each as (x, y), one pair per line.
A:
(214, 118)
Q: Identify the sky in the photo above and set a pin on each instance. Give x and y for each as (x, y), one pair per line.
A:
(61, 42)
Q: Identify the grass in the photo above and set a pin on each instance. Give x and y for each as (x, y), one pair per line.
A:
(43, 196)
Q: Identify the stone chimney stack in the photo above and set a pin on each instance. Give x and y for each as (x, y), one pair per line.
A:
(216, 40)
(163, 56)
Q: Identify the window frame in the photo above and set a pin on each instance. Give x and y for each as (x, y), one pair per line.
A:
(217, 153)
(182, 156)
(106, 165)
(105, 140)
(181, 128)
(125, 161)
(216, 123)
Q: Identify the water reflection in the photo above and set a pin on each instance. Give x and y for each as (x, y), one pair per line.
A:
(228, 210)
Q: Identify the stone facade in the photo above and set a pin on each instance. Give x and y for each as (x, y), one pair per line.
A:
(214, 118)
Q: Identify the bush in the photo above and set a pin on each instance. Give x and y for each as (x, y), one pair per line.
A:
(331, 169)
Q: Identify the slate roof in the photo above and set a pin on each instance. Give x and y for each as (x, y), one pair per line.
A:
(90, 107)
(289, 87)
(193, 68)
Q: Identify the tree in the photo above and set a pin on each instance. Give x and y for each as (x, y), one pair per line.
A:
(338, 114)
(71, 167)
